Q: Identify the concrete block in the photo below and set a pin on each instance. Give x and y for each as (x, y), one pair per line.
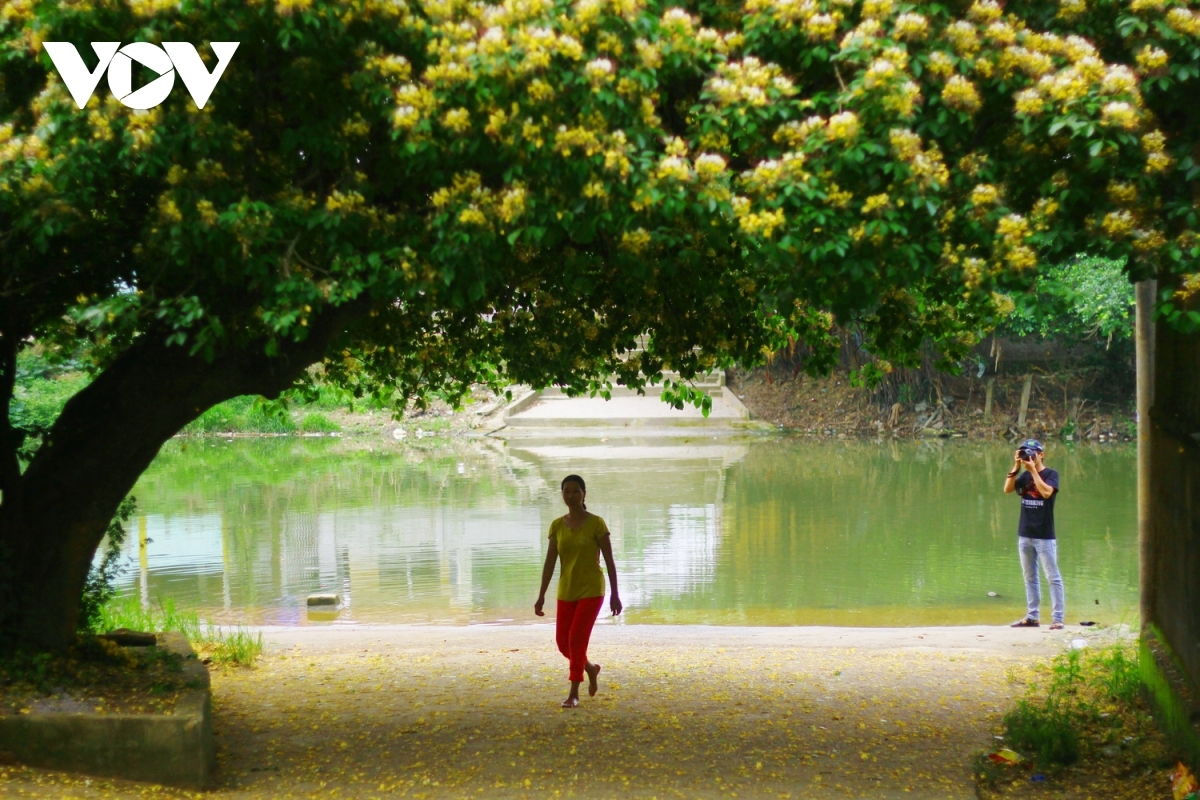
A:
(172, 749)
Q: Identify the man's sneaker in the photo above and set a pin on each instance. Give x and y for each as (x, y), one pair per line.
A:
(1056, 626)
(1026, 623)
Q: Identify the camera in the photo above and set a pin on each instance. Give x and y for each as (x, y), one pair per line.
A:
(1025, 454)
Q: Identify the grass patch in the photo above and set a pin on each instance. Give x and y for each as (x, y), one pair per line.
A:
(1083, 718)
(316, 422)
(227, 647)
(246, 414)
(237, 647)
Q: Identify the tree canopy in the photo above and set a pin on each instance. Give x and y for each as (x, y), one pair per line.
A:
(423, 195)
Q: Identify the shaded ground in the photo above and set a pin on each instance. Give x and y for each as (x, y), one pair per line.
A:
(420, 711)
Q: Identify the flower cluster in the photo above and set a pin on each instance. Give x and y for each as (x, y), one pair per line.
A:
(1120, 115)
(961, 94)
(985, 194)
(757, 223)
(635, 241)
(710, 166)
(1185, 21)
(843, 126)
(910, 26)
(748, 81)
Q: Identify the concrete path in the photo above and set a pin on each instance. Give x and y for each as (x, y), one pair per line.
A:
(683, 711)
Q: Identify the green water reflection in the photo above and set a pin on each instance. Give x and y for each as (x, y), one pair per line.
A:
(765, 532)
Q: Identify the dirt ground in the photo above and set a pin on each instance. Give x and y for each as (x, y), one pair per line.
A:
(473, 711)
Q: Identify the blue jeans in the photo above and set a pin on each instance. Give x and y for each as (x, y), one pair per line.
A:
(1046, 551)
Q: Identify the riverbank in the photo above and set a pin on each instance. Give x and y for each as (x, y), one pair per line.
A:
(1065, 405)
(683, 711)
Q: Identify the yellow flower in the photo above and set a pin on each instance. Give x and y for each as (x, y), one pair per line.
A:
(635, 241)
(649, 53)
(911, 26)
(1121, 193)
(673, 168)
(406, 117)
(679, 22)
(905, 144)
(1138, 6)
(875, 202)
(1117, 223)
(843, 126)
(540, 91)
(960, 93)
(1158, 162)
(880, 71)
(984, 11)
(1021, 258)
(1184, 21)
(472, 216)
(599, 71)
(1070, 9)
(595, 190)
(457, 120)
(1120, 115)
(820, 27)
(1013, 229)
(985, 194)
(876, 9)
(1152, 59)
(709, 166)
(208, 214)
(512, 203)
(1001, 33)
(1077, 48)
(1119, 80)
(963, 38)
(1154, 142)
(941, 64)
(1029, 102)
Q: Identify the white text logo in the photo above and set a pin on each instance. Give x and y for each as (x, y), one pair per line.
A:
(172, 57)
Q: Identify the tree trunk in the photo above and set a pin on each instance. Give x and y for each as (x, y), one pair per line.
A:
(1025, 390)
(987, 403)
(1144, 341)
(53, 517)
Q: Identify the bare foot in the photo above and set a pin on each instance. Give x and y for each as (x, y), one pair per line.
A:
(593, 671)
(571, 702)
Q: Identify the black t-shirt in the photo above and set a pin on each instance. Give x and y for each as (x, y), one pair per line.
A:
(1037, 512)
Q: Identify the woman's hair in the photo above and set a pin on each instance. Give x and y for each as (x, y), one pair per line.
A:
(574, 479)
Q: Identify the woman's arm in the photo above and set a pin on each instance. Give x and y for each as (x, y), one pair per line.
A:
(547, 574)
(606, 548)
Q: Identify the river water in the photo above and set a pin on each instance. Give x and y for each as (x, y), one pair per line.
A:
(780, 531)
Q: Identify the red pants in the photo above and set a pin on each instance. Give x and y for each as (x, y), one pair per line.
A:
(573, 628)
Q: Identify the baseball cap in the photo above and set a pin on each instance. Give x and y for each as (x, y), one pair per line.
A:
(1033, 444)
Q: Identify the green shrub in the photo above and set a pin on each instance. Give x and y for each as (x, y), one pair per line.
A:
(1045, 730)
(246, 414)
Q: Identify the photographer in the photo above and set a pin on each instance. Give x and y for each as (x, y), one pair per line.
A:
(1038, 488)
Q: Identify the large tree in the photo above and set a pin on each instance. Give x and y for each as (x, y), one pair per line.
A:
(421, 195)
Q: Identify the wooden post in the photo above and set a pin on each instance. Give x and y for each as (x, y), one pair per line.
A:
(1025, 390)
(1144, 341)
(987, 403)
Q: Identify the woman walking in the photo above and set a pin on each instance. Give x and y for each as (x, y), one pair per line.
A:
(578, 539)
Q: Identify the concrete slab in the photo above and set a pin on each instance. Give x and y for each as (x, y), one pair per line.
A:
(171, 749)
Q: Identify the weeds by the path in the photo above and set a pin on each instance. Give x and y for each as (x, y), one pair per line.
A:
(226, 646)
(1082, 722)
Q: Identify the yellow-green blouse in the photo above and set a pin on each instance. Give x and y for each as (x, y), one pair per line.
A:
(579, 558)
